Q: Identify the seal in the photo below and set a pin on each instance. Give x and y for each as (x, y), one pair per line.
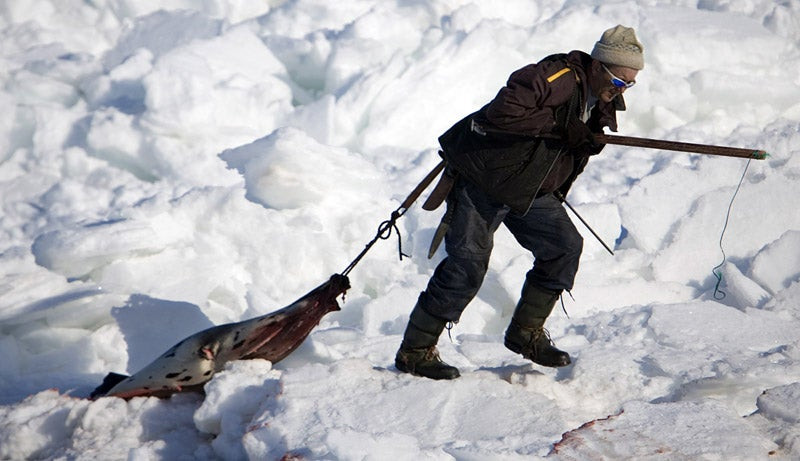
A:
(192, 362)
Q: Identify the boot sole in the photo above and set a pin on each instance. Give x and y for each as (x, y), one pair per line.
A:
(452, 375)
(518, 350)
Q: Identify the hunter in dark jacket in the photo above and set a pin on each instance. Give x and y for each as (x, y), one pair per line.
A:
(509, 162)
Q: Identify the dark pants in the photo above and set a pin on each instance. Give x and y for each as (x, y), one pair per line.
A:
(546, 231)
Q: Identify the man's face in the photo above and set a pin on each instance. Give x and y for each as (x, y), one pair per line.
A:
(607, 81)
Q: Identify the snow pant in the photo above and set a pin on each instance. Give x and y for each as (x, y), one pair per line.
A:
(545, 230)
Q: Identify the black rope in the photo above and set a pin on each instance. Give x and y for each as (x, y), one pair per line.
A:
(719, 294)
(386, 227)
(449, 326)
(564, 307)
(384, 232)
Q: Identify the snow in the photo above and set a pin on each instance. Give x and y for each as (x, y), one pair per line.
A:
(166, 166)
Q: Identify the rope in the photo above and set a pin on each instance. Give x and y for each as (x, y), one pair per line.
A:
(563, 306)
(449, 326)
(386, 227)
(719, 294)
(384, 232)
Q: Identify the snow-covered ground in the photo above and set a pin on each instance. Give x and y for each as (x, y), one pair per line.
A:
(170, 165)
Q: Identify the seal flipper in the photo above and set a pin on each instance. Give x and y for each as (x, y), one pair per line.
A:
(111, 380)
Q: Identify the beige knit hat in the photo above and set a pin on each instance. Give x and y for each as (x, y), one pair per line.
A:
(619, 46)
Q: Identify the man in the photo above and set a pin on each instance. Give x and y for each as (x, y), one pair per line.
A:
(509, 163)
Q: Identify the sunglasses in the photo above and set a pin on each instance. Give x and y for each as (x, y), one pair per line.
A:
(616, 81)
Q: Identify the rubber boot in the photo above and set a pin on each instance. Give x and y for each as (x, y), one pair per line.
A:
(526, 334)
(418, 354)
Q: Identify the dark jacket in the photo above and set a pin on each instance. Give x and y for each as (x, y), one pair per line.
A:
(511, 148)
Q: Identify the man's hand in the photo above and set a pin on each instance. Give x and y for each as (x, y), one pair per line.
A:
(577, 134)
